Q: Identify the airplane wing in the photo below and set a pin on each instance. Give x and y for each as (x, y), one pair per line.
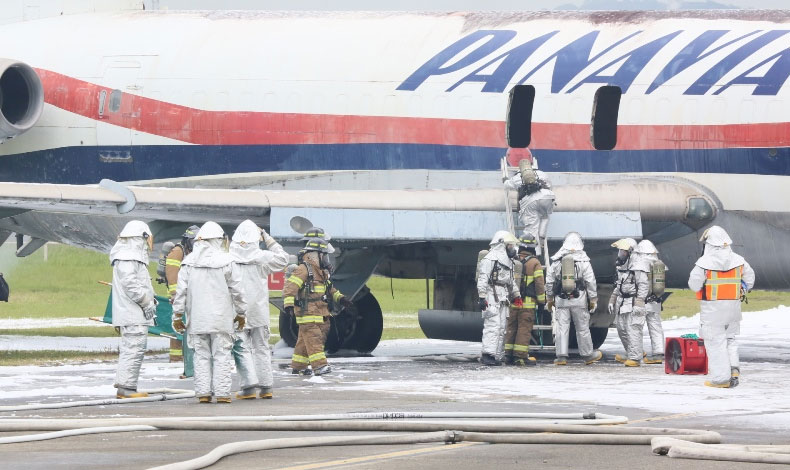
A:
(91, 215)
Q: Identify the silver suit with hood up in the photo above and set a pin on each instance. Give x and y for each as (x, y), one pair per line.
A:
(251, 350)
(647, 253)
(132, 295)
(631, 290)
(498, 294)
(210, 289)
(534, 210)
(720, 320)
(572, 308)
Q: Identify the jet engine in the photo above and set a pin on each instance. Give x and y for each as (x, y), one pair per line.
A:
(21, 98)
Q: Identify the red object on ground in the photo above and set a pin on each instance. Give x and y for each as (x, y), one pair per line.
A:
(685, 356)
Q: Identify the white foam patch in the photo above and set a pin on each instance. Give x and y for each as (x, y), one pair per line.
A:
(64, 343)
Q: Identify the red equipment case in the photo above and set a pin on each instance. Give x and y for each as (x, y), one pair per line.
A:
(685, 356)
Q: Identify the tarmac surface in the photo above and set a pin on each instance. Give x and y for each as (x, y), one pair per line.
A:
(402, 376)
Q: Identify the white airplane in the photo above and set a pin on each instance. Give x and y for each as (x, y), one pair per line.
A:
(387, 130)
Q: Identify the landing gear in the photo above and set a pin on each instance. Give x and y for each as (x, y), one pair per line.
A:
(361, 332)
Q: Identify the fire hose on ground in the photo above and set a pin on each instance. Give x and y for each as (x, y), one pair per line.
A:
(450, 428)
(159, 394)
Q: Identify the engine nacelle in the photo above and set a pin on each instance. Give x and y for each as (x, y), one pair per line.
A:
(21, 98)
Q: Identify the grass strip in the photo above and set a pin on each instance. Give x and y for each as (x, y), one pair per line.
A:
(52, 357)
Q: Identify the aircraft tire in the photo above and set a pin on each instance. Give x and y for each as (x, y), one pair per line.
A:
(289, 331)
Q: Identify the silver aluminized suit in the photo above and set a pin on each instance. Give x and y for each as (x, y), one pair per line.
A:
(570, 308)
(496, 283)
(132, 294)
(629, 298)
(653, 312)
(251, 350)
(209, 288)
(534, 210)
(720, 320)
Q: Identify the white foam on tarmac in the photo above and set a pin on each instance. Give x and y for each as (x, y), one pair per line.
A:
(760, 401)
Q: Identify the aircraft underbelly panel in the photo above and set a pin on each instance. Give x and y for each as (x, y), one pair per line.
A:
(412, 225)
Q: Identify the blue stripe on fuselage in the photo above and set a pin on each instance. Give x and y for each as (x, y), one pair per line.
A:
(88, 165)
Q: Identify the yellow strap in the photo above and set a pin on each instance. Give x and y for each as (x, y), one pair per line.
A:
(542, 298)
(176, 352)
(538, 273)
(288, 301)
(296, 280)
(172, 262)
(309, 319)
(520, 348)
(320, 288)
(171, 289)
(508, 347)
(337, 296)
(300, 359)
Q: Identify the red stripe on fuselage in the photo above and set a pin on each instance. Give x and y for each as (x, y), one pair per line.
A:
(203, 127)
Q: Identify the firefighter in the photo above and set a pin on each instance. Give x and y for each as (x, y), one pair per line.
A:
(176, 256)
(535, 201)
(309, 295)
(646, 251)
(133, 303)
(720, 278)
(628, 299)
(209, 288)
(496, 285)
(570, 282)
(251, 349)
(173, 261)
(521, 320)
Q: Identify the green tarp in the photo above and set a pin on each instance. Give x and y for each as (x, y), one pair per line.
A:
(164, 316)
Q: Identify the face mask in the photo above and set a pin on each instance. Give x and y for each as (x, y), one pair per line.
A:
(622, 257)
(326, 263)
(511, 251)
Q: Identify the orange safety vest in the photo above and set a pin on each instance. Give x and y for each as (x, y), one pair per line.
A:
(722, 285)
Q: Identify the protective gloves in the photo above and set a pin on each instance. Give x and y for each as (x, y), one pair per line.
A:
(549, 305)
(150, 312)
(267, 239)
(518, 302)
(239, 321)
(289, 310)
(593, 305)
(345, 302)
(482, 304)
(178, 324)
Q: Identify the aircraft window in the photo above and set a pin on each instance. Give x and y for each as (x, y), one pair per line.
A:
(604, 117)
(115, 101)
(518, 127)
(102, 100)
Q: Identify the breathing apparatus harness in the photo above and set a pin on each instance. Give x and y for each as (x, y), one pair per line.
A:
(308, 288)
(527, 290)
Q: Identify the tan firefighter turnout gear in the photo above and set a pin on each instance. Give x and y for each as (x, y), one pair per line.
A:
(308, 294)
(532, 288)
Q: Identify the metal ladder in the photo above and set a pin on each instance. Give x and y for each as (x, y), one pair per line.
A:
(513, 226)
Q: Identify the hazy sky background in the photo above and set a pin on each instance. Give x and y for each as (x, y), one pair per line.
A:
(455, 5)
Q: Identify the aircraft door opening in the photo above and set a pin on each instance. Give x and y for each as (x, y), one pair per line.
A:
(518, 126)
(114, 141)
(603, 131)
